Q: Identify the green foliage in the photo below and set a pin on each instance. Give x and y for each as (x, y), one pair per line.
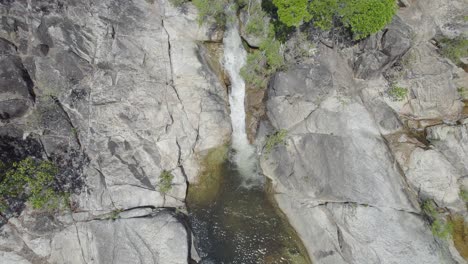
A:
(293, 12)
(178, 3)
(397, 93)
(263, 62)
(362, 17)
(429, 209)
(275, 139)
(454, 49)
(255, 72)
(440, 227)
(464, 195)
(322, 12)
(208, 9)
(30, 180)
(256, 20)
(366, 17)
(274, 56)
(165, 182)
(115, 214)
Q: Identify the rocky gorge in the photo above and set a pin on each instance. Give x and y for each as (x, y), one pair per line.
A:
(119, 94)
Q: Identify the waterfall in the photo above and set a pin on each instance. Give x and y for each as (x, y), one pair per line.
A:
(234, 58)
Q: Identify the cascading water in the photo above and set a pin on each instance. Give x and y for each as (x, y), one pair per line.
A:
(231, 213)
(234, 59)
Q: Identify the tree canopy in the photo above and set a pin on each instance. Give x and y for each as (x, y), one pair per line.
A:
(293, 12)
(362, 17)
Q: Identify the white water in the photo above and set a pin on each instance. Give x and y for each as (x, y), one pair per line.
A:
(234, 58)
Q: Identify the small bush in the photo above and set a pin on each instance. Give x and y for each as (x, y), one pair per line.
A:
(365, 17)
(30, 180)
(256, 21)
(440, 227)
(293, 12)
(263, 62)
(454, 49)
(208, 9)
(165, 182)
(275, 139)
(397, 93)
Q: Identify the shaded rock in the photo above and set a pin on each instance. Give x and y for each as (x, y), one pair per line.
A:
(380, 51)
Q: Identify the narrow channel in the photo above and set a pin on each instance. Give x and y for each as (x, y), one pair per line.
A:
(232, 215)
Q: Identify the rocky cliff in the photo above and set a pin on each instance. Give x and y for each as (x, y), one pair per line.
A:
(115, 92)
(357, 163)
(119, 92)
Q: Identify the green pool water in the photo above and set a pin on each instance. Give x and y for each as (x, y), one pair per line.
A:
(238, 225)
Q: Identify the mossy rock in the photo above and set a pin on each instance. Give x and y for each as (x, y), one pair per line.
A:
(460, 235)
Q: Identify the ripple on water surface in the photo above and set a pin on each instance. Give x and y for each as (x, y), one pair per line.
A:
(240, 225)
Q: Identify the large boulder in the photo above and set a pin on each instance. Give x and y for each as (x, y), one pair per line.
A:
(335, 176)
(157, 237)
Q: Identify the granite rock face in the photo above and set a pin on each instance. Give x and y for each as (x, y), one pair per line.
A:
(356, 163)
(115, 92)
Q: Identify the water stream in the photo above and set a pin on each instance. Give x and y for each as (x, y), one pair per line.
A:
(232, 215)
(234, 58)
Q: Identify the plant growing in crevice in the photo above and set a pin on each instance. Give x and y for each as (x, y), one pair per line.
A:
(165, 181)
(454, 49)
(275, 139)
(397, 93)
(115, 214)
(440, 227)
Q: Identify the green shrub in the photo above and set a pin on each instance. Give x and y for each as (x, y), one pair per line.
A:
(262, 63)
(440, 227)
(397, 93)
(365, 17)
(454, 49)
(165, 181)
(256, 20)
(362, 17)
(208, 9)
(293, 12)
(255, 72)
(322, 12)
(273, 53)
(275, 139)
(30, 180)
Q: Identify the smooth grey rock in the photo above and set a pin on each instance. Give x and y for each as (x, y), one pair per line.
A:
(335, 176)
(452, 141)
(434, 178)
(160, 239)
(352, 233)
